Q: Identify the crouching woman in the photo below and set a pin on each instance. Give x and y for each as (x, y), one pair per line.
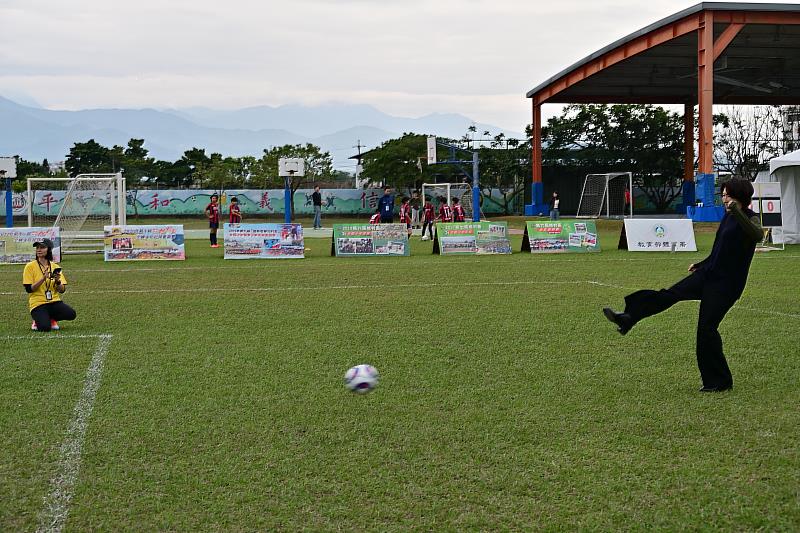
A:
(45, 283)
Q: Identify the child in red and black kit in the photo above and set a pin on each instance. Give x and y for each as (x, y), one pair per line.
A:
(428, 216)
(235, 211)
(445, 212)
(212, 212)
(405, 213)
(458, 211)
(376, 218)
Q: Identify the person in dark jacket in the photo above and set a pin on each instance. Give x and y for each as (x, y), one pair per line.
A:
(717, 281)
(316, 199)
(386, 205)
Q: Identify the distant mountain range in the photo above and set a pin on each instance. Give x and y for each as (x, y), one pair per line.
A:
(35, 133)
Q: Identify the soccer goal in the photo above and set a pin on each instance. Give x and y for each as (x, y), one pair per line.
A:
(462, 191)
(79, 206)
(603, 195)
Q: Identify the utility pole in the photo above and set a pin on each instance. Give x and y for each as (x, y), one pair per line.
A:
(358, 146)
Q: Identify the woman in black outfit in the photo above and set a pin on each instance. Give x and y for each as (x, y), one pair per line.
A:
(717, 281)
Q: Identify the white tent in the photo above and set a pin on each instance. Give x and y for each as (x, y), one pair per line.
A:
(786, 170)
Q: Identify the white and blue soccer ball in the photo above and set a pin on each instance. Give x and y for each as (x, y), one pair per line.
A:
(361, 379)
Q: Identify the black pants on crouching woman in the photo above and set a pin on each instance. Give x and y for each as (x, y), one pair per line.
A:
(57, 311)
(716, 298)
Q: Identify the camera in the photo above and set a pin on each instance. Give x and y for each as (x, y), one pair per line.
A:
(55, 273)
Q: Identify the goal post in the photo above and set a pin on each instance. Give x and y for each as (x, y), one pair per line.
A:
(604, 195)
(83, 205)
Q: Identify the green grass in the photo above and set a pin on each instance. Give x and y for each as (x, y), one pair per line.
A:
(516, 407)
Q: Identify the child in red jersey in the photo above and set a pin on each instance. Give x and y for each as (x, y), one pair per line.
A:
(458, 211)
(376, 218)
(235, 212)
(445, 212)
(212, 212)
(428, 216)
(405, 213)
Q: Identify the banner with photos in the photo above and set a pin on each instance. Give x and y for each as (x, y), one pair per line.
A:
(143, 243)
(560, 236)
(466, 238)
(351, 240)
(16, 244)
(263, 241)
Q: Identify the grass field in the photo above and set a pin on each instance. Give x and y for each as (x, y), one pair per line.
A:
(506, 401)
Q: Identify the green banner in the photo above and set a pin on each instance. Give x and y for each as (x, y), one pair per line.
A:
(560, 236)
(350, 240)
(466, 238)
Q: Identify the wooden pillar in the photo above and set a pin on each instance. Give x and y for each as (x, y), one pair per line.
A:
(705, 92)
(537, 143)
(688, 142)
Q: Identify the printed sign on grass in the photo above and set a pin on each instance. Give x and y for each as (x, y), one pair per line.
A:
(483, 238)
(16, 244)
(143, 243)
(560, 236)
(660, 235)
(369, 240)
(264, 241)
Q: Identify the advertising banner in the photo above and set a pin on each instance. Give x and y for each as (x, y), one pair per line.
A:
(482, 238)
(560, 236)
(660, 235)
(350, 240)
(16, 244)
(263, 241)
(143, 243)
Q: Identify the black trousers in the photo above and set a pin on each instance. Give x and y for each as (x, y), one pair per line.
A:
(57, 311)
(429, 227)
(716, 299)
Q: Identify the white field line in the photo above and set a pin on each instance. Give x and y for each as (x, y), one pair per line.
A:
(56, 503)
(766, 312)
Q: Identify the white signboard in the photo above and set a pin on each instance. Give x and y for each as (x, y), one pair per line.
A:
(431, 150)
(660, 235)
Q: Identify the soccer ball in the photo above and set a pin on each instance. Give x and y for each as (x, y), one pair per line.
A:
(361, 379)
(424, 237)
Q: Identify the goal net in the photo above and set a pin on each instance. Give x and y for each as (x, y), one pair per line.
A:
(603, 195)
(462, 191)
(79, 207)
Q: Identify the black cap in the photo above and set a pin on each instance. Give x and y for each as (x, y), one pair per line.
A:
(43, 243)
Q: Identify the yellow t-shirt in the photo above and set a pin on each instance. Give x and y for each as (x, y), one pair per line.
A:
(31, 275)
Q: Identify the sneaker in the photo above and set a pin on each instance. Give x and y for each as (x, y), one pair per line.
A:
(215, 245)
(54, 325)
(33, 326)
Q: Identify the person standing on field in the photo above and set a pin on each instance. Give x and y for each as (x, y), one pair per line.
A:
(458, 211)
(212, 212)
(445, 212)
(555, 201)
(235, 211)
(416, 202)
(428, 216)
(717, 281)
(386, 205)
(405, 213)
(316, 199)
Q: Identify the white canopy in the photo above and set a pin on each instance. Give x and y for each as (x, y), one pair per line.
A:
(786, 170)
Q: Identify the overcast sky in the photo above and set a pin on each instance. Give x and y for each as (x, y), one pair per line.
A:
(407, 58)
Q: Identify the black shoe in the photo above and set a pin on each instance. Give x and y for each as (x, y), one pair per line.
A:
(721, 388)
(622, 320)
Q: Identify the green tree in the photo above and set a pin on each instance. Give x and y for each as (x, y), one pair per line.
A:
(504, 165)
(644, 139)
(136, 164)
(87, 158)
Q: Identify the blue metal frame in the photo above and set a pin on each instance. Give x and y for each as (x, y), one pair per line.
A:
(9, 206)
(476, 188)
